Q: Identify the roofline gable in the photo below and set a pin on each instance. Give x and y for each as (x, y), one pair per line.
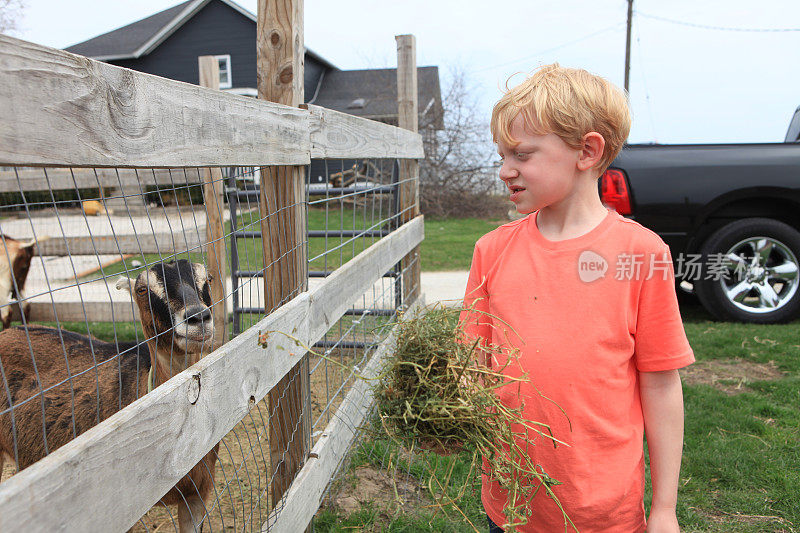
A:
(170, 28)
(183, 17)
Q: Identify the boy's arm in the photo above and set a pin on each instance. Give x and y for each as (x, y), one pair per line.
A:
(662, 407)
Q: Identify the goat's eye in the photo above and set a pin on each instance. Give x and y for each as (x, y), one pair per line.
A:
(141, 290)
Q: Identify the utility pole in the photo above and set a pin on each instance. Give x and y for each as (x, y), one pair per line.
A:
(628, 46)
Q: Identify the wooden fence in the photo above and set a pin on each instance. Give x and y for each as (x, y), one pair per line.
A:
(62, 110)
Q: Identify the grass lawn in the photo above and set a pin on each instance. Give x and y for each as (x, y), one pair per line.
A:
(741, 463)
(449, 243)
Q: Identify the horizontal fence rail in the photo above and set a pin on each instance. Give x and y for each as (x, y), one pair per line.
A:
(89, 178)
(156, 122)
(81, 484)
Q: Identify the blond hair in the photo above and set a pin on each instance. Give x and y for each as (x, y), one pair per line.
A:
(569, 103)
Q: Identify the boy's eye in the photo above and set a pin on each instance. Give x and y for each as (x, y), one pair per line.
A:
(521, 155)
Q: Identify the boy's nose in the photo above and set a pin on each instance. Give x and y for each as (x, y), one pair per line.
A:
(506, 172)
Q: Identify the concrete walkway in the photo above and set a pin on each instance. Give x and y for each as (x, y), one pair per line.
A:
(445, 287)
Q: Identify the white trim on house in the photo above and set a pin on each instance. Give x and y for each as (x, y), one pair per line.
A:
(228, 83)
(111, 58)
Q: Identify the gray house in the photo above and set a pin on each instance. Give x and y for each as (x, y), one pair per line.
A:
(168, 44)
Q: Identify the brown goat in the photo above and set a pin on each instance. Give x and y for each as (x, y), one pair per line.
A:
(15, 261)
(76, 381)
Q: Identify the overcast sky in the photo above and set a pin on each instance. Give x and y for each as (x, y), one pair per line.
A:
(688, 84)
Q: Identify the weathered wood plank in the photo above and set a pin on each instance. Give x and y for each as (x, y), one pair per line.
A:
(72, 311)
(34, 179)
(215, 206)
(336, 135)
(139, 453)
(280, 52)
(62, 109)
(305, 495)
(147, 243)
(408, 118)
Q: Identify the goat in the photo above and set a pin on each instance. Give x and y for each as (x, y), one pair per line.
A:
(15, 261)
(174, 302)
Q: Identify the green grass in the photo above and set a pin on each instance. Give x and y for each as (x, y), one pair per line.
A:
(449, 243)
(742, 452)
(125, 331)
(410, 513)
(741, 462)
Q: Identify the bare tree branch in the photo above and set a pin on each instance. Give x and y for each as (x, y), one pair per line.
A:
(458, 175)
(10, 15)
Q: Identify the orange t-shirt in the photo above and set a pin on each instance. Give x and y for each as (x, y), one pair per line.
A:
(589, 314)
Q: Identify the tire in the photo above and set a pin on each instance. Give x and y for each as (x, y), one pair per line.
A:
(761, 258)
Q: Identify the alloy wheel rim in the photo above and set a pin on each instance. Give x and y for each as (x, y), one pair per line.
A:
(762, 274)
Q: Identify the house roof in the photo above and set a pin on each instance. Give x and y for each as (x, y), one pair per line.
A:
(143, 36)
(372, 93)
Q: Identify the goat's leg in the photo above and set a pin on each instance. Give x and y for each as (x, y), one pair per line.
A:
(5, 316)
(191, 514)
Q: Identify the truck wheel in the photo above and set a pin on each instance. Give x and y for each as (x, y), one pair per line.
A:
(750, 272)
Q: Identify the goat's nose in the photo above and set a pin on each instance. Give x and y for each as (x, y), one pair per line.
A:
(197, 315)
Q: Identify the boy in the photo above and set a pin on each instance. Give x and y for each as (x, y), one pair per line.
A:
(591, 299)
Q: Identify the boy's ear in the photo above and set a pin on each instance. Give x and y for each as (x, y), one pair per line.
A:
(592, 150)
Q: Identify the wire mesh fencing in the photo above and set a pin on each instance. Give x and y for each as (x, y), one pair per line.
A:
(115, 280)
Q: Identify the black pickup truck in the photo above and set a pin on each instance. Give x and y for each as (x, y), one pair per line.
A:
(730, 214)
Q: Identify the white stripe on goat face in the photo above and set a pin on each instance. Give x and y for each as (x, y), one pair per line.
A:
(155, 286)
(200, 274)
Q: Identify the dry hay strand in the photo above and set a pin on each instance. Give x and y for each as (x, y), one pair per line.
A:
(435, 394)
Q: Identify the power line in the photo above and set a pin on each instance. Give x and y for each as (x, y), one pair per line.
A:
(542, 52)
(628, 47)
(718, 28)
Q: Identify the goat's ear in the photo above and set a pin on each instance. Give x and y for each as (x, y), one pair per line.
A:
(41, 238)
(125, 284)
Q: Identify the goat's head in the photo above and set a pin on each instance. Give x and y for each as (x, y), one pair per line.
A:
(174, 300)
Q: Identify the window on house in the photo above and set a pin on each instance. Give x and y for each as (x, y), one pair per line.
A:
(224, 71)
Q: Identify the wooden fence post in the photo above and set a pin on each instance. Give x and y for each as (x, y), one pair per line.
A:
(280, 50)
(408, 118)
(215, 235)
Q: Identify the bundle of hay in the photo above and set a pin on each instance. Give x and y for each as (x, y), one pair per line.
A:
(434, 394)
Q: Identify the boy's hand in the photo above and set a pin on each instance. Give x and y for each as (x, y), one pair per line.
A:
(662, 520)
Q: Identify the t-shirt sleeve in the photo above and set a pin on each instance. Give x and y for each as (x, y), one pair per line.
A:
(660, 341)
(475, 320)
